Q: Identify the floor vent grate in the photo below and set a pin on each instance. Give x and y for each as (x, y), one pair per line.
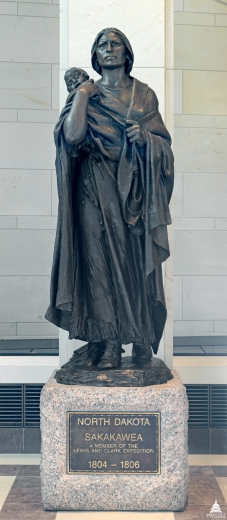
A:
(19, 406)
(218, 406)
(31, 405)
(198, 399)
(11, 406)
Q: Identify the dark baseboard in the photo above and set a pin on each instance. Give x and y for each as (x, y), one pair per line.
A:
(20, 440)
(29, 347)
(200, 345)
(207, 440)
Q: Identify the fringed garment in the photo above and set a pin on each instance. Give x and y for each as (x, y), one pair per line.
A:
(111, 235)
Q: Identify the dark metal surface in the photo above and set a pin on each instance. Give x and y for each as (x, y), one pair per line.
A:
(130, 373)
(114, 169)
(113, 442)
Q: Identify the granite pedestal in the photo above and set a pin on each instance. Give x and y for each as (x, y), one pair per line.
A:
(118, 492)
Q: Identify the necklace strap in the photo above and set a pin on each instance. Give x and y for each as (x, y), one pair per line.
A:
(118, 88)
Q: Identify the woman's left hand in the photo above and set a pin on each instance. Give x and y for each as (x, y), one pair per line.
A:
(134, 133)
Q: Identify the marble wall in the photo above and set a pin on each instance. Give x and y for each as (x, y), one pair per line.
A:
(29, 108)
(29, 105)
(200, 223)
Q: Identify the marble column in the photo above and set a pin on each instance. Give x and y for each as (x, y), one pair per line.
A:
(149, 27)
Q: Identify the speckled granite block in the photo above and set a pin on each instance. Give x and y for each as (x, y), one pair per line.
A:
(117, 492)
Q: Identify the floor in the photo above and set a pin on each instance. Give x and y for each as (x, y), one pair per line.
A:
(20, 496)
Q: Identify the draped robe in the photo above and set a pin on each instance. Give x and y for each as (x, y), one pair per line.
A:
(111, 237)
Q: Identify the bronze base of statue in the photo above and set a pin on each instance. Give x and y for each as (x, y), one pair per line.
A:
(89, 367)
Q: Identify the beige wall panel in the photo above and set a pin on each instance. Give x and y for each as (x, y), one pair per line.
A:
(177, 297)
(178, 91)
(25, 85)
(194, 19)
(200, 47)
(221, 224)
(37, 222)
(62, 87)
(38, 116)
(25, 145)
(29, 39)
(8, 329)
(168, 118)
(64, 30)
(54, 195)
(200, 150)
(205, 92)
(204, 298)
(194, 121)
(8, 7)
(178, 195)
(169, 102)
(221, 20)
(35, 1)
(205, 195)
(85, 23)
(37, 329)
(221, 122)
(25, 192)
(178, 5)
(8, 114)
(192, 328)
(200, 253)
(24, 298)
(205, 6)
(220, 327)
(8, 222)
(26, 252)
(30, 9)
(169, 37)
(190, 224)
(55, 87)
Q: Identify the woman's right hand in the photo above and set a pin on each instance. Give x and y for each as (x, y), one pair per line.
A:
(89, 88)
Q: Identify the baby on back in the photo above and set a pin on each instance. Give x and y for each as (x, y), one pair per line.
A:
(74, 77)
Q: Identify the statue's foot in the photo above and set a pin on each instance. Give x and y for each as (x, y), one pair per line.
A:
(111, 357)
(141, 352)
(95, 351)
(88, 355)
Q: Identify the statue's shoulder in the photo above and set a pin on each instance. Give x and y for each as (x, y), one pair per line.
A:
(147, 94)
(151, 99)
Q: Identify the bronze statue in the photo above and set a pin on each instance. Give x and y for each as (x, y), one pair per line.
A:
(115, 177)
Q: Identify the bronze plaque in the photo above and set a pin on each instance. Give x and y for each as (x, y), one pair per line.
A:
(113, 442)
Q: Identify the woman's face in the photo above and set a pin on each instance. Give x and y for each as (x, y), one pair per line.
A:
(111, 51)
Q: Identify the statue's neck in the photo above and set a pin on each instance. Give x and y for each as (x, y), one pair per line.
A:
(114, 78)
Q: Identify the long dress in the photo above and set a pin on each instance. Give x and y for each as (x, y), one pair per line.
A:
(111, 236)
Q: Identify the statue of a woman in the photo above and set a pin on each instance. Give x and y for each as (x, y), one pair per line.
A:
(115, 177)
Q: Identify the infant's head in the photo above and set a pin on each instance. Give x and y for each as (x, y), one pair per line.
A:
(74, 77)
